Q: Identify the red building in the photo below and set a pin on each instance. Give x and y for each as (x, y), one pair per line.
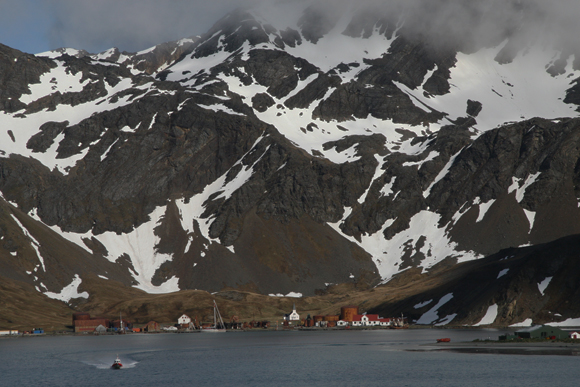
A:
(89, 325)
(83, 322)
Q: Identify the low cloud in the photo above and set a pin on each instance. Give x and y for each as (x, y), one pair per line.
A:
(133, 25)
(469, 24)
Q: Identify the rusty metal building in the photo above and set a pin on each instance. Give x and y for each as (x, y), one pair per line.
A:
(347, 313)
(89, 325)
(152, 326)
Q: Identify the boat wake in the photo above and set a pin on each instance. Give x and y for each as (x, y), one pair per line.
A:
(104, 363)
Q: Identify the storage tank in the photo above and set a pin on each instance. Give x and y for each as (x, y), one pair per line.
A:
(332, 317)
(81, 316)
(348, 312)
(318, 318)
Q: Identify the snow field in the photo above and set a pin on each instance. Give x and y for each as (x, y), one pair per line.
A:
(69, 292)
(291, 294)
(23, 129)
(139, 245)
(508, 92)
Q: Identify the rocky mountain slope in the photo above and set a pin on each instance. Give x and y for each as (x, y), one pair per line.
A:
(281, 155)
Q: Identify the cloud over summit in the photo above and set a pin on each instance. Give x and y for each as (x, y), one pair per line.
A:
(133, 25)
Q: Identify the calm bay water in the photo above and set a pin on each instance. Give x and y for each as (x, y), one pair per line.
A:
(283, 358)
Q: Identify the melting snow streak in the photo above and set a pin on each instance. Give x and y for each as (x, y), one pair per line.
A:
(489, 317)
(542, 286)
(34, 243)
(432, 314)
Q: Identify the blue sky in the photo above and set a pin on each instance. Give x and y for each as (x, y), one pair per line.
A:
(24, 25)
(35, 26)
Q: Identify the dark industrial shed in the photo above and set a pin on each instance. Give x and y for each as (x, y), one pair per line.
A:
(540, 332)
(537, 332)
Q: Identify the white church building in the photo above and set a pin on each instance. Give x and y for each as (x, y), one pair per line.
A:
(294, 316)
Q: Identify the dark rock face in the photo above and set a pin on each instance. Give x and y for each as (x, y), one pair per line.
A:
(163, 54)
(289, 257)
(277, 70)
(179, 157)
(573, 94)
(17, 71)
(262, 101)
(537, 147)
(511, 280)
(473, 108)
(375, 93)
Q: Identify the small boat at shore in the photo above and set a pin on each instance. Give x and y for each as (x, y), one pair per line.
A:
(218, 322)
(444, 340)
(117, 364)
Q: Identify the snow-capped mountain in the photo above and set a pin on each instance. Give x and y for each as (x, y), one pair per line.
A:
(285, 150)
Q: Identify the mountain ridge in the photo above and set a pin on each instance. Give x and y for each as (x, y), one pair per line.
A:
(264, 159)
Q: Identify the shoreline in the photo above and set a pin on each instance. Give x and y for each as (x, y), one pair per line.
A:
(492, 347)
(558, 348)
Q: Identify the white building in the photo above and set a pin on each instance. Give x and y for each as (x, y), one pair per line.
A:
(575, 335)
(184, 320)
(294, 316)
(369, 320)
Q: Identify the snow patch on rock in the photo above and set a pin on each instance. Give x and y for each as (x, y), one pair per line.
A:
(432, 314)
(69, 292)
(489, 317)
(542, 286)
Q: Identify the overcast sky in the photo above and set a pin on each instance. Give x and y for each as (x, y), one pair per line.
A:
(131, 25)
(95, 25)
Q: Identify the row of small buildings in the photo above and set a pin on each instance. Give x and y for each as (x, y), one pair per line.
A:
(83, 322)
(349, 317)
(11, 332)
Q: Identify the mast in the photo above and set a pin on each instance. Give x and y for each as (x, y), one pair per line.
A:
(216, 313)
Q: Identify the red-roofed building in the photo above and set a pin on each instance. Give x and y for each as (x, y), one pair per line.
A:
(369, 320)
